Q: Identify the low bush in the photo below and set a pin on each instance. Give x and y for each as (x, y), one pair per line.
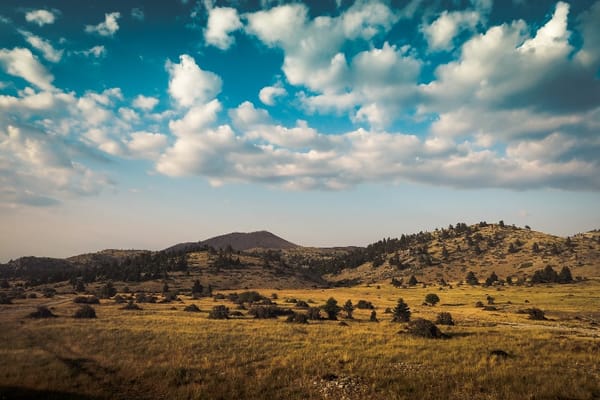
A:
(297, 318)
(365, 305)
(42, 312)
(444, 318)
(424, 328)
(86, 311)
(536, 314)
(264, 312)
(86, 300)
(131, 306)
(219, 312)
(191, 308)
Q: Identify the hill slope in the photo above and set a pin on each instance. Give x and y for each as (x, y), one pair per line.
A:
(482, 248)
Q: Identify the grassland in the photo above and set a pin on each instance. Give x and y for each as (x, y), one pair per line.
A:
(163, 352)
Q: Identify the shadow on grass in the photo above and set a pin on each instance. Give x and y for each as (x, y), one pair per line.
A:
(18, 393)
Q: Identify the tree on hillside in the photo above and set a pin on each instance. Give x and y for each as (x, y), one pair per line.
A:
(413, 280)
(565, 276)
(471, 279)
(491, 279)
(331, 308)
(432, 299)
(197, 288)
(401, 312)
(348, 308)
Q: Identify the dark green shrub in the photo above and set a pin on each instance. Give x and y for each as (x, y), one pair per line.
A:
(86, 300)
(48, 292)
(314, 313)
(365, 305)
(5, 299)
(86, 311)
(297, 318)
(219, 312)
(42, 312)
(444, 318)
(264, 312)
(191, 308)
(131, 306)
(424, 328)
(349, 309)
(536, 314)
(301, 304)
(432, 299)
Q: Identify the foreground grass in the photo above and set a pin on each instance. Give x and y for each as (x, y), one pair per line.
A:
(161, 352)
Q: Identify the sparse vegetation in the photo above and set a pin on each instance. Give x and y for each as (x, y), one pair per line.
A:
(424, 328)
(444, 318)
(219, 312)
(331, 308)
(42, 312)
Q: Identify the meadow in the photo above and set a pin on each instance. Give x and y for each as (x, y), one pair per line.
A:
(161, 351)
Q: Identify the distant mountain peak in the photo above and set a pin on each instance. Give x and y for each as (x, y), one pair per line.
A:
(239, 241)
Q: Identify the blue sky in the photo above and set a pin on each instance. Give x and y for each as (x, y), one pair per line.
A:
(139, 124)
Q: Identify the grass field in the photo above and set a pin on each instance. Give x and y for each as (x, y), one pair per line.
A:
(163, 352)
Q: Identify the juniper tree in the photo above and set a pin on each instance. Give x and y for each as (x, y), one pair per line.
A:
(401, 312)
(332, 309)
(348, 308)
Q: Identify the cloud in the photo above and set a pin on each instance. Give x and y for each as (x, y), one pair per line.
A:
(20, 62)
(146, 144)
(246, 116)
(268, 94)
(43, 45)
(189, 84)
(441, 32)
(137, 14)
(145, 103)
(222, 22)
(40, 17)
(96, 51)
(108, 27)
(196, 119)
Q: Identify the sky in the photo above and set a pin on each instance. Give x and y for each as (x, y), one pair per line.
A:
(140, 124)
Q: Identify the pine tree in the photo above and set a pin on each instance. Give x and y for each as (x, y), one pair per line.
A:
(401, 312)
(332, 309)
(471, 279)
(348, 308)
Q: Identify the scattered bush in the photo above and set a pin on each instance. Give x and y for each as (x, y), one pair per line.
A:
(432, 299)
(424, 328)
(444, 318)
(479, 304)
(301, 304)
(42, 312)
(131, 306)
(119, 299)
(412, 281)
(264, 312)
(86, 311)
(297, 318)
(144, 298)
(536, 314)
(219, 312)
(314, 313)
(86, 300)
(191, 308)
(32, 295)
(387, 310)
(364, 305)
(471, 279)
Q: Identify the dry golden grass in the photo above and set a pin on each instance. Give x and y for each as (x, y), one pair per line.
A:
(163, 352)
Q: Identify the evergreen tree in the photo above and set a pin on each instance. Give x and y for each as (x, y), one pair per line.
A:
(401, 312)
(332, 309)
(491, 279)
(471, 279)
(565, 276)
(413, 280)
(373, 317)
(197, 288)
(348, 308)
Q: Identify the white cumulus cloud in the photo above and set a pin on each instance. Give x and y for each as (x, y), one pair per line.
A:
(222, 22)
(189, 84)
(108, 27)
(40, 17)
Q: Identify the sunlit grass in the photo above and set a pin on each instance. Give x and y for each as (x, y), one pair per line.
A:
(160, 352)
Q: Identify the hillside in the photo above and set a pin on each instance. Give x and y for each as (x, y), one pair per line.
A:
(483, 248)
(238, 241)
